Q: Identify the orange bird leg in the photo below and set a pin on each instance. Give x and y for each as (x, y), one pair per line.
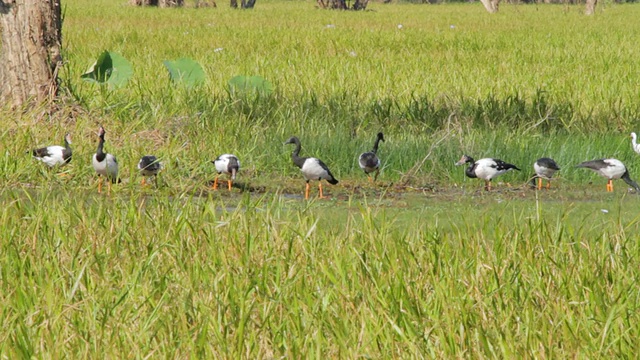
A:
(539, 183)
(320, 196)
(144, 182)
(487, 185)
(99, 184)
(306, 192)
(548, 184)
(229, 183)
(108, 186)
(610, 186)
(215, 183)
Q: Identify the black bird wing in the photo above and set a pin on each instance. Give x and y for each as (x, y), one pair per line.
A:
(503, 166)
(332, 180)
(41, 152)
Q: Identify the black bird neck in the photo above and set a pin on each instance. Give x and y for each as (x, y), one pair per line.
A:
(295, 155)
(100, 155)
(471, 170)
(375, 145)
(628, 180)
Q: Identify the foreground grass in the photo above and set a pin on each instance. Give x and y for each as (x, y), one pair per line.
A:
(150, 275)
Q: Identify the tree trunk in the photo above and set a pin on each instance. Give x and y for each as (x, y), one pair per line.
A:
(491, 5)
(590, 7)
(30, 58)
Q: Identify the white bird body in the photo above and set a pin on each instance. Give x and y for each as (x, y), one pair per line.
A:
(611, 169)
(108, 167)
(608, 168)
(227, 164)
(634, 143)
(55, 155)
(315, 169)
(543, 171)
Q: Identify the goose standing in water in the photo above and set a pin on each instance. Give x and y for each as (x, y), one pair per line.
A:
(485, 169)
(227, 164)
(55, 155)
(105, 164)
(312, 168)
(610, 169)
(369, 161)
(544, 168)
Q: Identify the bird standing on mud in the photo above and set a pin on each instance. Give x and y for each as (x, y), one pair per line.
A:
(544, 168)
(227, 164)
(149, 166)
(312, 168)
(485, 169)
(610, 169)
(105, 164)
(369, 161)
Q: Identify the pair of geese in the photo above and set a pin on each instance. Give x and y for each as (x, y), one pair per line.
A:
(106, 165)
(545, 168)
(314, 169)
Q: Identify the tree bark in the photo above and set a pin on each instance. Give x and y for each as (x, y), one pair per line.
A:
(491, 5)
(30, 58)
(590, 7)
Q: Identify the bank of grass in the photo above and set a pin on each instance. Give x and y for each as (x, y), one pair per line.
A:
(143, 274)
(421, 265)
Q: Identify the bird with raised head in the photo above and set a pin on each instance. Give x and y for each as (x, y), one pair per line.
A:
(369, 161)
(105, 164)
(311, 168)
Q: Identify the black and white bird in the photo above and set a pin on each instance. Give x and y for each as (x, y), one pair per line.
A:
(369, 161)
(149, 166)
(544, 168)
(55, 155)
(312, 168)
(105, 164)
(634, 143)
(610, 169)
(226, 164)
(485, 169)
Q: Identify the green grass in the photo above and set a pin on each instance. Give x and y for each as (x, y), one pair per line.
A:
(142, 274)
(423, 264)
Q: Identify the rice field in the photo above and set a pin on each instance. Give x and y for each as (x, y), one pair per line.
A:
(421, 264)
